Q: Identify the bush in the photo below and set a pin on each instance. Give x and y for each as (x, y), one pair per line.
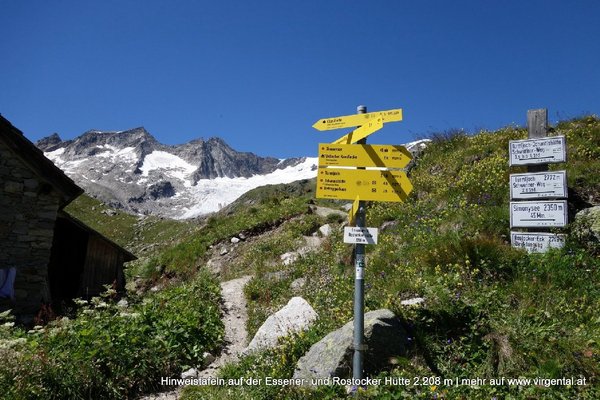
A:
(112, 352)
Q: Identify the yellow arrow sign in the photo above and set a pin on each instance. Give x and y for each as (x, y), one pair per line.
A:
(348, 121)
(368, 184)
(363, 155)
(361, 132)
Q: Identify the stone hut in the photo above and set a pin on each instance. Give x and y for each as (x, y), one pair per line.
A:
(45, 254)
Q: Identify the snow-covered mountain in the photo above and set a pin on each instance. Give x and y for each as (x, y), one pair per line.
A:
(132, 170)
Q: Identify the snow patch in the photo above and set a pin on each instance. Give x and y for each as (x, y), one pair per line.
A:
(213, 194)
(171, 164)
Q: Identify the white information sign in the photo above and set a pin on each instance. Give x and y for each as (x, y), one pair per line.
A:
(538, 185)
(356, 235)
(534, 214)
(538, 151)
(537, 242)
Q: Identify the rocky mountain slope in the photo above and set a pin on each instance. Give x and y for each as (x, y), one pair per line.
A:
(133, 171)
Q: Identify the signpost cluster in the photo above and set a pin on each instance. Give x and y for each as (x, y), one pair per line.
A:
(538, 197)
(349, 169)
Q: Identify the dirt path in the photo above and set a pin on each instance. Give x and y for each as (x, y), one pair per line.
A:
(236, 337)
(235, 317)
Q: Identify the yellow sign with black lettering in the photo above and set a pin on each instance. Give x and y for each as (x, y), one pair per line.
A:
(349, 121)
(363, 155)
(367, 184)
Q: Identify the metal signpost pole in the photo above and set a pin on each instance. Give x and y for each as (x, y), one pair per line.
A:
(359, 286)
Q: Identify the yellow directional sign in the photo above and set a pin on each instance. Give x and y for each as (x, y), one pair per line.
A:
(361, 132)
(368, 184)
(353, 211)
(349, 121)
(363, 155)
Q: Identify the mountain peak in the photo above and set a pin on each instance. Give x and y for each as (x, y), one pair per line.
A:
(49, 143)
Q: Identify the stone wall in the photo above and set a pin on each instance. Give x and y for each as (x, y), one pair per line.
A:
(28, 210)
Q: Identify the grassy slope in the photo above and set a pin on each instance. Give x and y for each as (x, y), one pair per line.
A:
(490, 311)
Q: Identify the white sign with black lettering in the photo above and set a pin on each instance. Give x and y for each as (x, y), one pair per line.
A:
(537, 242)
(534, 214)
(538, 151)
(538, 185)
(356, 235)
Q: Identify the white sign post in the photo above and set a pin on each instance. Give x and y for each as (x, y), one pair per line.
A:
(538, 151)
(537, 242)
(538, 185)
(359, 235)
(536, 214)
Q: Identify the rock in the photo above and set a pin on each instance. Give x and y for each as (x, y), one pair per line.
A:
(277, 275)
(207, 359)
(387, 225)
(347, 206)
(235, 240)
(298, 284)
(214, 266)
(289, 258)
(332, 356)
(242, 236)
(413, 301)
(325, 230)
(190, 373)
(297, 315)
(122, 303)
(223, 251)
(587, 224)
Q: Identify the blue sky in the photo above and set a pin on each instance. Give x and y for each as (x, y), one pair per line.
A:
(259, 74)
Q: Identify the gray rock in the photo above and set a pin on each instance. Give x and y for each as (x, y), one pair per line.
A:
(242, 236)
(587, 223)
(190, 373)
(298, 284)
(413, 301)
(223, 251)
(207, 359)
(297, 315)
(289, 258)
(332, 356)
(235, 240)
(387, 225)
(325, 230)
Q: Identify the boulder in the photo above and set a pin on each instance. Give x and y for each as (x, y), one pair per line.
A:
(332, 356)
(297, 315)
(587, 223)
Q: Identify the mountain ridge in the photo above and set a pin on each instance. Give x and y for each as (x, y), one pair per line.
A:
(133, 171)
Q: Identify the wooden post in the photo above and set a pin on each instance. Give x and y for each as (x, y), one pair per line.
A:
(537, 127)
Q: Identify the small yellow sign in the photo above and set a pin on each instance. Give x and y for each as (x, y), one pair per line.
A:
(363, 155)
(348, 121)
(367, 184)
(361, 132)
